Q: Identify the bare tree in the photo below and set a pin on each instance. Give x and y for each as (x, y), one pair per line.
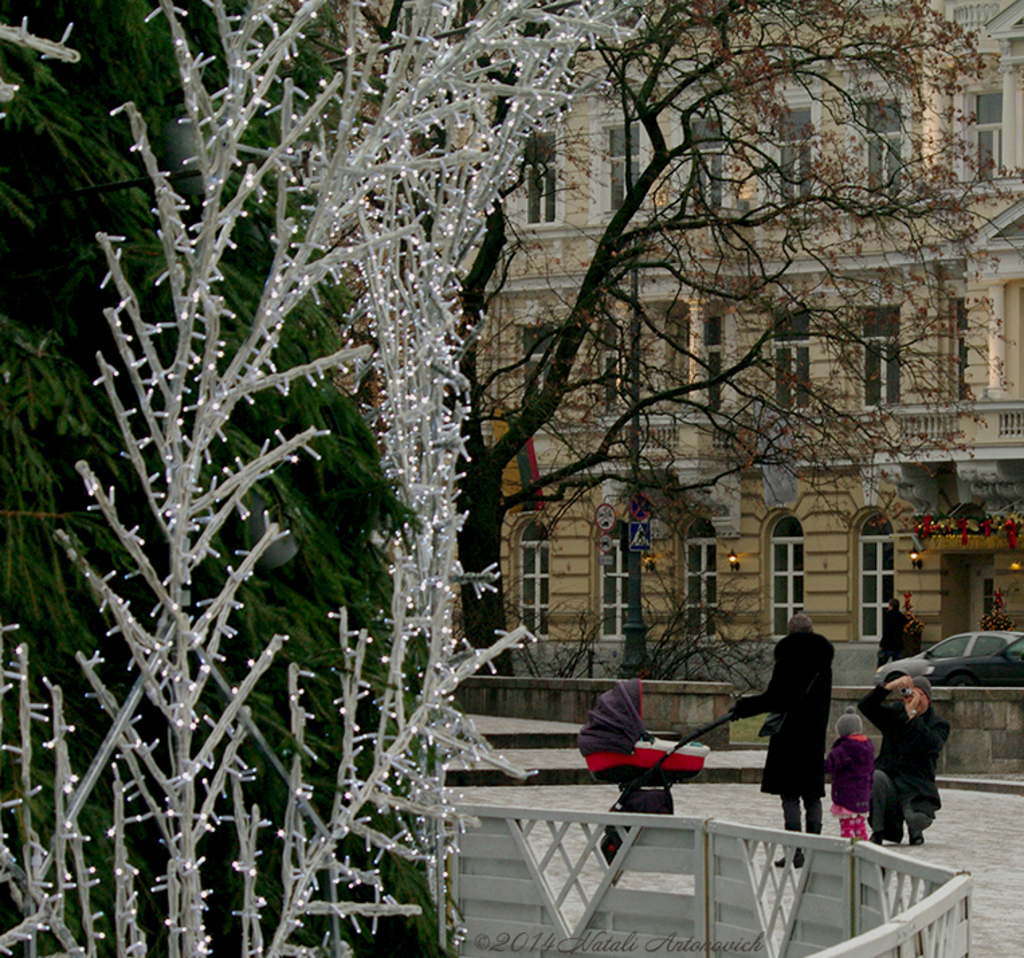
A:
(795, 170)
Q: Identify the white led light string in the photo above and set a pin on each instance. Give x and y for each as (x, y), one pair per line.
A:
(375, 203)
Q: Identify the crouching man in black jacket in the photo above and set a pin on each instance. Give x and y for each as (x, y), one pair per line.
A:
(904, 787)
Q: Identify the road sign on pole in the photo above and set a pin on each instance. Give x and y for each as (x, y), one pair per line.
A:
(640, 507)
(605, 518)
(639, 537)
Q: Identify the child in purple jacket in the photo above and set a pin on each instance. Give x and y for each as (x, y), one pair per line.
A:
(851, 763)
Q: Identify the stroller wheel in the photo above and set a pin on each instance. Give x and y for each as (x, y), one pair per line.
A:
(610, 843)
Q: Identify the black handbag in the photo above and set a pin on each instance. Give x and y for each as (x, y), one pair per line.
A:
(775, 720)
(772, 724)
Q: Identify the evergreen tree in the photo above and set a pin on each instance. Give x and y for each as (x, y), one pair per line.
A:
(66, 172)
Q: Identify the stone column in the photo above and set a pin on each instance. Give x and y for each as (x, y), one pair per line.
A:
(1011, 110)
(996, 341)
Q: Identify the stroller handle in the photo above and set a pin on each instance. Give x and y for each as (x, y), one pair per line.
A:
(703, 730)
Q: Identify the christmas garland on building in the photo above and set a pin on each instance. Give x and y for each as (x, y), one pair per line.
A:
(951, 527)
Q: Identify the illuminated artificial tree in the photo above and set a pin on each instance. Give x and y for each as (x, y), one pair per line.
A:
(379, 176)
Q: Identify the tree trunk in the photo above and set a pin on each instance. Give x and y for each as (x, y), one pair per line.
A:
(480, 547)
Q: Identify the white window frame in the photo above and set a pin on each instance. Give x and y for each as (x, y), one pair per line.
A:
(787, 583)
(713, 326)
(710, 180)
(701, 598)
(614, 586)
(881, 361)
(615, 163)
(534, 579)
(989, 163)
(542, 181)
(882, 145)
(877, 567)
(961, 329)
(793, 351)
(536, 339)
(803, 151)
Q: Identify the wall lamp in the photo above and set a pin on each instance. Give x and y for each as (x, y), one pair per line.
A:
(915, 559)
(734, 561)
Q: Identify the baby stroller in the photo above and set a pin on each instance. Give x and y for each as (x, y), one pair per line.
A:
(618, 750)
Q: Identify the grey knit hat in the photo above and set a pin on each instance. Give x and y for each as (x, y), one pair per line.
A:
(924, 685)
(849, 723)
(801, 622)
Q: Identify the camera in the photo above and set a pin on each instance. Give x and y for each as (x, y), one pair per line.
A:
(906, 693)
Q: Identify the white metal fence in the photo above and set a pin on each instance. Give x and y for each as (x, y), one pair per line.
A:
(535, 883)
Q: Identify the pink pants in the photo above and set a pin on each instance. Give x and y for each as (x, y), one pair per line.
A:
(853, 826)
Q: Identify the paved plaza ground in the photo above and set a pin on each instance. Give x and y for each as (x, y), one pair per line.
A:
(976, 831)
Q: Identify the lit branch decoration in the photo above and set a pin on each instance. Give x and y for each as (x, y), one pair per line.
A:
(375, 202)
(20, 36)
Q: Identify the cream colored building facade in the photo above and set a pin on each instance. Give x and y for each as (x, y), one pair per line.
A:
(941, 528)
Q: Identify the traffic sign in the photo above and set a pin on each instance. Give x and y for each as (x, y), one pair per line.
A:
(639, 537)
(605, 517)
(640, 507)
(605, 544)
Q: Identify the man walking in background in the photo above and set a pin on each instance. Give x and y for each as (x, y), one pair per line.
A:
(893, 622)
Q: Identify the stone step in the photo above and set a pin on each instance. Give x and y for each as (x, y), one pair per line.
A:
(737, 766)
(548, 749)
(506, 733)
(1002, 786)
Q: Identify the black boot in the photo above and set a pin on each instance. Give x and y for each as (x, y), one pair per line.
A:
(798, 860)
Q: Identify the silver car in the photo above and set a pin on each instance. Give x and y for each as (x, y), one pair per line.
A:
(968, 658)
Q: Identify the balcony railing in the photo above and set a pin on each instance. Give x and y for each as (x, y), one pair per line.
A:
(974, 16)
(938, 426)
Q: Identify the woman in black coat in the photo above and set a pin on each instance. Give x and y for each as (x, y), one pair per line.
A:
(801, 687)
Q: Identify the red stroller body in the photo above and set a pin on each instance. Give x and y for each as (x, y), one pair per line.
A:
(618, 750)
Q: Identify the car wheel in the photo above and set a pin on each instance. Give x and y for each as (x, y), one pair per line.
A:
(891, 677)
(961, 678)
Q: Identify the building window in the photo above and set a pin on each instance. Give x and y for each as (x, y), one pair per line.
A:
(881, 355)
(988, 132)
(701, 579)
(962, 352)
(624, 161)
(877, 574)
(533, 599)
(537, 340)
(787, 573)
(713, 359)
(883, 125)
(540, 178)
(709, 158)
(613, 362)
(672, 360)
(795, 153)
(614, 586)
(793, 361)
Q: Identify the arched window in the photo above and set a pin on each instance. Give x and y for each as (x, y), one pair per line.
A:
(877, 576)
(701, 579)
(787, 573)
(614, 585)
(533, 595)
